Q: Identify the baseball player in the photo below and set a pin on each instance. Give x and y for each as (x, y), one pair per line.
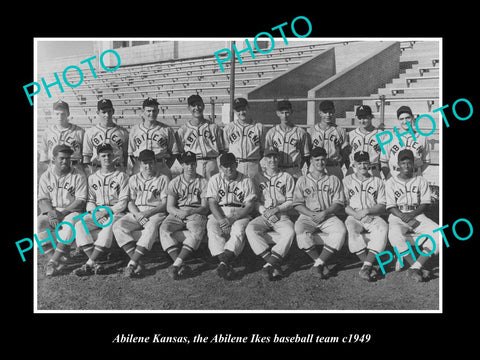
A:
(105, 132)
(326, 134)
(63, 132)
(202, 137)
(147, 205)
(408, 196)
(231, 196)
(184, 228)
(245, 139)
(365, 202)
(318, 197)
(290, 140)
(273, 226)
(417, 144)
(152, 135)
(62, 194)
(363, 138)
(108, 187)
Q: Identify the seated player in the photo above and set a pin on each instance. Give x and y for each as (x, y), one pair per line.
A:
(318, 197)
(147, 205)
(106, 187)
(184, 228)
(273, 226)
(365, 202)
(231, 196)
(408, 196)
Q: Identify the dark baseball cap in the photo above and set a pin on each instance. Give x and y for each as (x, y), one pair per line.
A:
(361, 156)
(363, 110)
(104, 104)
(270, 151)
(284, 105)
(326, 105)
(405, 154)
(188, 157)
(240, 103)
(104, 148)
(150, 102)
(404, 109)
(227, 159)
(62, 148)
(318, 151)
(192, 99)
(61, 105)
(146, 155)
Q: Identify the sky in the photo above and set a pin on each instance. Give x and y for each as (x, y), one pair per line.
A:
(55, 49)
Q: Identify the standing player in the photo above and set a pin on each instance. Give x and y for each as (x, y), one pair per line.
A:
(153, 135)
(106, 187)
(202, 137)
(231, 197)
(318, 197)
(363, 138)
(415, 142)
(147, 205)
(365, 202)
(184, 228)
(326, 134)
(291, 141)
(408, 196)
(61, 133)
(105, 132)
(62, 193)
(273, 226)
(245, 139)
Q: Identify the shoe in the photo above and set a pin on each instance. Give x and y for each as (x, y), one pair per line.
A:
(50, 269)
(184, 270)
(268, 271)
(139, 270)
(318, 271)
(427, 274)
(415, 274)
(173, 272)
(222, 270)
(231, 273)
(365, 272)
(98, 269)
(129, 271)
(84, 270)
(277, 274)
(374, 273)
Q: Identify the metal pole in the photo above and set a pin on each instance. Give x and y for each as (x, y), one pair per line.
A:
(232, 79)
(382, 111)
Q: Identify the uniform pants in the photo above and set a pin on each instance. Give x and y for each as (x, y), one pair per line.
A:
(331, 232)
(124, 228)
(97, 235)
(66, 231)
(375, 239)
(189, 231)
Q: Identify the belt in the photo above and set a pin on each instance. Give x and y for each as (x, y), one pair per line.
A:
(248, 160)
(207, 158)
(231, 205)
(288, 166)
(407, 207)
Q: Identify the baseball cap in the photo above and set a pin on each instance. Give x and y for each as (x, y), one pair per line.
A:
(326, 105)
(363, 110)
(270, 151)
(192, 99)
(239, 103)
(146, 155)
(62, 148)
(188, 157)
(284, 105)
(150, 102)
(104, 148)
(61, 105)
(227, 159)
(104, 104)
(360, 156)
(318, 151)
(404, 109)
(405, 154)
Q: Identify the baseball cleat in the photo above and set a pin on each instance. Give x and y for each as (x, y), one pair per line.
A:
(173, 272)
(415, 274)
(268, 271)
(222, 270)
(129, 271)
(98, 269)
(365, 272)
(231, 273)
(277, 273)
(139, 270)
(50, 269)
(318, 271)
(84, 270)
(184, 270)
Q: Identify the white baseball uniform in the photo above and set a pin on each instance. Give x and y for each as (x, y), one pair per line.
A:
(116, 136)
(361, 141)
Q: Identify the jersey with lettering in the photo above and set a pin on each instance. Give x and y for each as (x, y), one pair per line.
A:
(62, 190)
(116, 136)
(245, 141)
(331, 139)
(231, 192)
(318, 195)
(360, 141)
(276, 189)
(205, 140)
(160, 138)
(147, 193)
(363, 194)
(55, 135)
(188, 193)
(292, 144)
(108, 190)
(419, 147)
(404, 194)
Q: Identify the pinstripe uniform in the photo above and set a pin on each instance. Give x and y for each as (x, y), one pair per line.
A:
(230, 196)
(275, 190)
(116, 136)
(292, 145)
(333, 139)
(191, 230)
(159, 138)
(362, 195)
(206, 141)
(103, 190)
(360, 141)
(246, 142)
(318, 195)
(407, 196)
(146, 194)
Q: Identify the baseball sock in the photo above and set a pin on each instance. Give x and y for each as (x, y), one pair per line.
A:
(184, 253)
(97, 251)
(139, 252)
(59, 252)
(370, 258)
(326, 254)
(274, 259)
(312, 252)
(173, 252)
(129, 249)
(362, 254)
(87, 249)
(420, 262)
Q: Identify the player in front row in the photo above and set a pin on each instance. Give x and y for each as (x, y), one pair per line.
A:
(408, 196)
(318, 197)
(184, 228)
(147, 206)
(231, 197)
(365, 202)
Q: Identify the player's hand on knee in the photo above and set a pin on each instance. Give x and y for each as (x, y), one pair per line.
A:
(319, 217)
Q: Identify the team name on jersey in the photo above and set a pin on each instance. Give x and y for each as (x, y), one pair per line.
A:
(156, 137)
(113, 185)
(149, 188)
(402, 191)
(69, 140)
(250, 134)
(415, 146)
(360, 143)
(192, 137)
(99, 139)
(278, 142)
(66, 186)
(319, 141)
(277, 184)
(312, 190)
(239, 194)
(370, 189)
